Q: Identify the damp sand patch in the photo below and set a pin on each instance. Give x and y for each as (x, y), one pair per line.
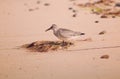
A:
(45, 46)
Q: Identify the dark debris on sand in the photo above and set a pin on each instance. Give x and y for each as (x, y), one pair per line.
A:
(104, 8)
(45, 46)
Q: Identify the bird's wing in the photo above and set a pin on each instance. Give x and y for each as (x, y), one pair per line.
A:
(68, 33)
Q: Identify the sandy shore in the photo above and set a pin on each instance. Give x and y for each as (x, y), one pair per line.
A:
(24, 21)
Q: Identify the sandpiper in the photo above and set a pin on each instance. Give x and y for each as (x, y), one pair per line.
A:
(64, 34)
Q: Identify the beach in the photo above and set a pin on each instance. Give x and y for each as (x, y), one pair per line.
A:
(25, 21)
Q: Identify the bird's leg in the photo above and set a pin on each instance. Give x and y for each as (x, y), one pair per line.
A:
(63, 43)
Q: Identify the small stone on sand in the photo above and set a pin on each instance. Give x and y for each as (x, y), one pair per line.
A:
(102, 32)
(31, 9)
(74, 11)
(46, 4)
(103, 16)
(104, 57)
(38, 2)
(96, 21)
(74, 15)
(70, 8)
(117, 4)
(113, 17)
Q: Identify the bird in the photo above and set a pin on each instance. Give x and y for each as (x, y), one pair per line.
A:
(64, 34)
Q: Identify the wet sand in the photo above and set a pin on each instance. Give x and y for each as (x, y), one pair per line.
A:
(24, 21)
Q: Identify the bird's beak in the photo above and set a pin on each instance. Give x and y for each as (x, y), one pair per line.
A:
(48, 29)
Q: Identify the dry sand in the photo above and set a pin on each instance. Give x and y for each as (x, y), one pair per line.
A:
(24, 21)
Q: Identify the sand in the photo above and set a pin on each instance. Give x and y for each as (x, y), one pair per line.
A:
(25, 21)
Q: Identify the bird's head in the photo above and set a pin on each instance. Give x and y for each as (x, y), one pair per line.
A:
(54, 26)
